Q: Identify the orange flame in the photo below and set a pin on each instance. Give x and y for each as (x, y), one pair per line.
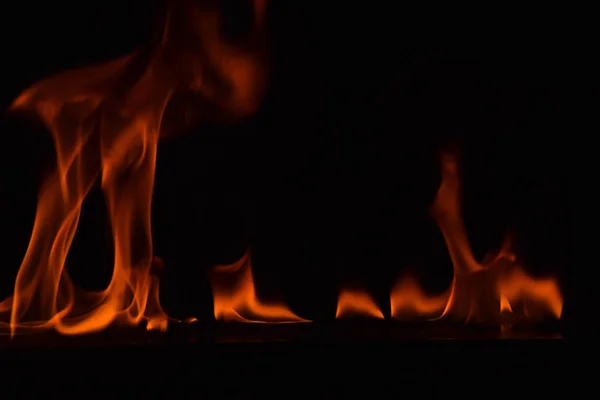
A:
(356, 303)
(482, 292)
(235, 296)
(524, 294)
(408, 300)
(106, 121)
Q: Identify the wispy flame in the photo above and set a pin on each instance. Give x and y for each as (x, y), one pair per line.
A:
(489, 293)
(106, 122)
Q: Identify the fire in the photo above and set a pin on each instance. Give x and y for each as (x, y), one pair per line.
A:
(356, 303)
(499, 291)
(106, 121)
(409, 301)
(235, 296)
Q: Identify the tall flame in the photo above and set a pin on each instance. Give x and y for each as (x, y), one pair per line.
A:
(106, 122)
(493, 292)
(235, 297)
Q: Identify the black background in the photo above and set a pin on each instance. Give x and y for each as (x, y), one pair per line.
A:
(331, 181)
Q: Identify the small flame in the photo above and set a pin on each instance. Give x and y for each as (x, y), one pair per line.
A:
(235, 297)
(530, 293)
(408, 300)
(106, 121)
(505, 304)
(356, 303)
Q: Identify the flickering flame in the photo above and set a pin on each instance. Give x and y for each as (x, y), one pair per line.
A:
(235, 297)
(409, 301)
(356, 303)
(486, 292)
(106, 121)
(529, 296)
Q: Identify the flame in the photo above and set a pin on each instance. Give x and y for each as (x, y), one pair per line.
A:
(106, 121)
(505, 304)
(235, 297)
(408, 300)
(356, 302)
(481, 292)
(533, 296)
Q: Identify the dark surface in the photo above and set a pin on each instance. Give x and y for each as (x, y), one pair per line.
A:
(276, 370)
(340, 331)
(335, 361)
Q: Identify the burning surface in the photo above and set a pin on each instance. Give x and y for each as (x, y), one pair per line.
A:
(106, 122)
